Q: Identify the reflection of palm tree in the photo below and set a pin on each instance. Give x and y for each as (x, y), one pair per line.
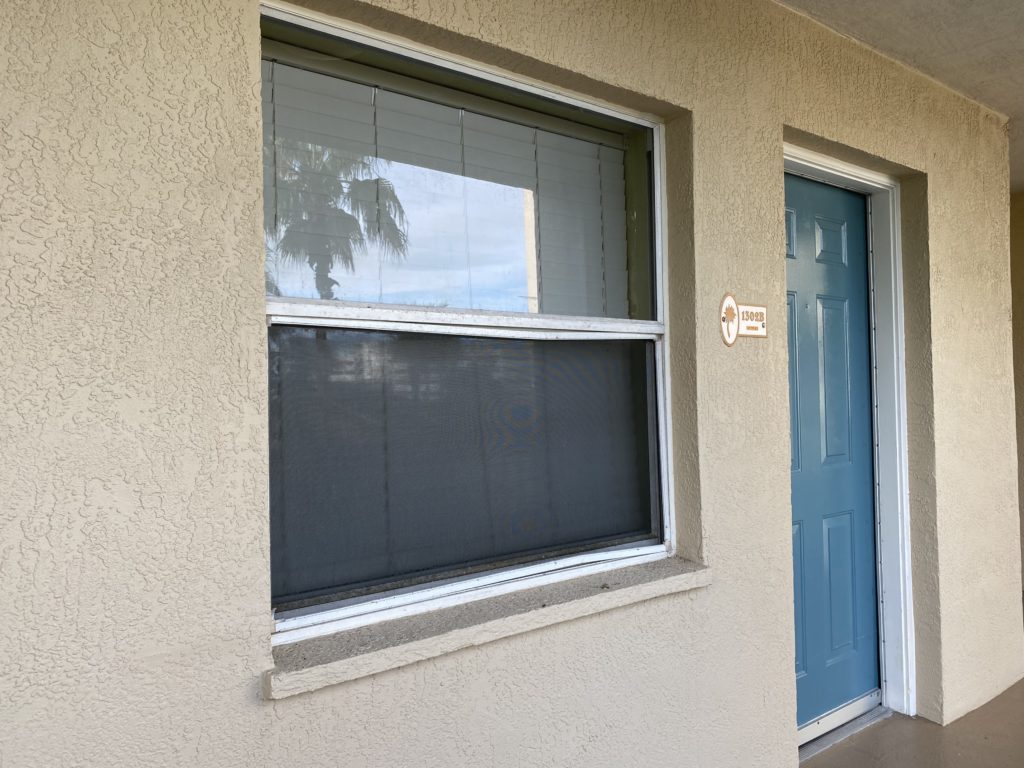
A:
(330, 205)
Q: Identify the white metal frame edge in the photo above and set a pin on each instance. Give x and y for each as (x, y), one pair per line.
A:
(892, 500)
(319, 311)
(840, 717)
(301, 624)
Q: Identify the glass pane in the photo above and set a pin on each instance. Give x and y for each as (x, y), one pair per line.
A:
(463, 243)
(399, 455)
(373, 196)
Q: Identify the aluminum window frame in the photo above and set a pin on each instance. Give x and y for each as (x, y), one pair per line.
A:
(326, 618)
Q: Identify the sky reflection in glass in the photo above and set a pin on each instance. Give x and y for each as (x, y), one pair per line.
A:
(471, 244)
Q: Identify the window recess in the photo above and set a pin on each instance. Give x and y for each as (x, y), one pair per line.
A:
(465, 346)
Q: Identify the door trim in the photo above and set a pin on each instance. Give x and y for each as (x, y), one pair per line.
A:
(889, 401)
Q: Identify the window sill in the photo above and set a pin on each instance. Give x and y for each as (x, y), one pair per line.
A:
(318, 662)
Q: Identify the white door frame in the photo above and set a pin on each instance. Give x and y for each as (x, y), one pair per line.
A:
(892, 501)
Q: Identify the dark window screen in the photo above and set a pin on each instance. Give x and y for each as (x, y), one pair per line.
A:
(397, 456)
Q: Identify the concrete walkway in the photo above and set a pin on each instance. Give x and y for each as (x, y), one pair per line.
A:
(989, 737)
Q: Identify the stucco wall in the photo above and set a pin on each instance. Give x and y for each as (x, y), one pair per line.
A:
(1017, 284)
(134, 543)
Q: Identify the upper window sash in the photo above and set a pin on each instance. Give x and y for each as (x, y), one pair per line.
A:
(355, 178)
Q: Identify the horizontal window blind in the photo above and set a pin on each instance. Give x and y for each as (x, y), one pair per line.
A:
(498, 214)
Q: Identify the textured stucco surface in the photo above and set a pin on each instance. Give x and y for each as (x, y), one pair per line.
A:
(133, 530)
(973, 47)
(1017, 283)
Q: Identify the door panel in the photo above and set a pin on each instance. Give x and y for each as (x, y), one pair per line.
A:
(794, 385)
(833, 379)
(834, 590)
(839, 574)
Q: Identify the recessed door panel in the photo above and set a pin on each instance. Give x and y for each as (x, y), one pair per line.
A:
(841, 580)
(832, 470)
(830, 240)
(794, 388)
(834, 379)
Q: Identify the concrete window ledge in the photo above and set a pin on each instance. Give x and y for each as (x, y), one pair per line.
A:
(318, 662)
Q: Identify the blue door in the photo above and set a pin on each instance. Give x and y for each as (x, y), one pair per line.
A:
(832, 469)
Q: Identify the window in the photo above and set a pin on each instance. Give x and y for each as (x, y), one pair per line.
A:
(465, 340)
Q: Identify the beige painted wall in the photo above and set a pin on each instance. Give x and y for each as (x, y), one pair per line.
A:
(1017, 283)
(133, 528)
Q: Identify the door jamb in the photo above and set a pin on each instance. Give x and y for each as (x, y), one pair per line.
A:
(889, 401)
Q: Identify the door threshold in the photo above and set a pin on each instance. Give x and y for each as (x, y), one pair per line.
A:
(843, 732)
(839, 716)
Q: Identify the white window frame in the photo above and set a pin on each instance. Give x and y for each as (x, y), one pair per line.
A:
(889, 400)
(300, 624)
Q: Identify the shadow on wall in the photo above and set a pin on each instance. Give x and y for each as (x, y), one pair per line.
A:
(1017, 287)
